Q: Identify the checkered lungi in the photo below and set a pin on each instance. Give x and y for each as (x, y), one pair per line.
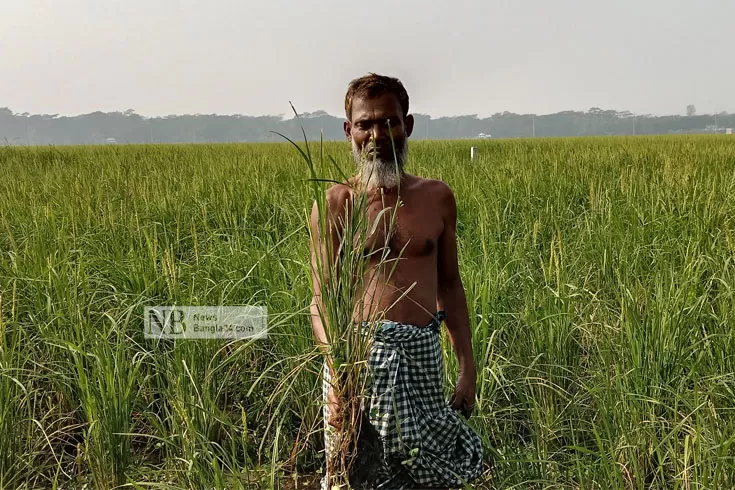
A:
(425, 443)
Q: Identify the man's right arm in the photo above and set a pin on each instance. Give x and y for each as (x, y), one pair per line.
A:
(318, 270)
(323, 259)
(321, 262)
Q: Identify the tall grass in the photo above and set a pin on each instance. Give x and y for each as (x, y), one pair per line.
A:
(599, 273)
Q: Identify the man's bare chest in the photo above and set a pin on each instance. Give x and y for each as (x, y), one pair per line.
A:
(411, 230)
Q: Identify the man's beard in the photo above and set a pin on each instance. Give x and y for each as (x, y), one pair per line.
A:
(375, 172)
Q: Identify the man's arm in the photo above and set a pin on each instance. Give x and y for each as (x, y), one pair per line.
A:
(451, 298)
(320, 266)
(322, 261)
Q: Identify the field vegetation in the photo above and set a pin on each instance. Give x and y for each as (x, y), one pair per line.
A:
(600, 277)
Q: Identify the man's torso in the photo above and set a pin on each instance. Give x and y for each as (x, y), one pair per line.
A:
(414, 243)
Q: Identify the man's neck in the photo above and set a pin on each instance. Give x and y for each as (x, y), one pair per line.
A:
(402, 181)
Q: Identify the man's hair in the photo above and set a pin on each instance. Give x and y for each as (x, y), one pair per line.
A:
(374, 85)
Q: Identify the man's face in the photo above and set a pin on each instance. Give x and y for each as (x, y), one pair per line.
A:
(374, 122)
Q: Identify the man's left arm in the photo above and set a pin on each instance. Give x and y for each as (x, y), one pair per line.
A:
(451, 298)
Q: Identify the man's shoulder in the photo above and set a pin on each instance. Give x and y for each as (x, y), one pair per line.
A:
(335, 197)
(338, 190)
(338, 194)
(437, 189)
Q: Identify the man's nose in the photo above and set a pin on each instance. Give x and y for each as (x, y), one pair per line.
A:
(381, 132)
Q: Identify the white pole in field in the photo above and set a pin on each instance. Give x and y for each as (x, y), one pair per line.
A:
(473, 152)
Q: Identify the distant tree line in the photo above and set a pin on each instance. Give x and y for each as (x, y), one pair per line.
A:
(130, 127)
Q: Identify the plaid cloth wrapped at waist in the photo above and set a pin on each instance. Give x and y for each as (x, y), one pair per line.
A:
(424, 442)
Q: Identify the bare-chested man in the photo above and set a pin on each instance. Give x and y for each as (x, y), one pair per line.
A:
(443, 450)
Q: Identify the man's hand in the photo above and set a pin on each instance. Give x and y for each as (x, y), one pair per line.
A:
(463, 398)
(334, 406)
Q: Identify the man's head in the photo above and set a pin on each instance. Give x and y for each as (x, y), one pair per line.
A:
(376, 107)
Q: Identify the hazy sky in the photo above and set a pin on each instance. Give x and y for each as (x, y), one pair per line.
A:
(164, 57)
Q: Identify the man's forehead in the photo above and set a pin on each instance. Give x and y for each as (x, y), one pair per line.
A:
(381, 106)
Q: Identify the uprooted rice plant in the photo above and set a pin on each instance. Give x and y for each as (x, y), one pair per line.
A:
(600, 276)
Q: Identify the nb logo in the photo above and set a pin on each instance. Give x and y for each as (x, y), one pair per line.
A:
(205, 322)
(165, 321)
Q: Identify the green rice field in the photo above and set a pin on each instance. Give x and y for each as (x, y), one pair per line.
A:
(600, 279)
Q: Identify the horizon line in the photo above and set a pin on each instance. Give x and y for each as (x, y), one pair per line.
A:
(323, 113)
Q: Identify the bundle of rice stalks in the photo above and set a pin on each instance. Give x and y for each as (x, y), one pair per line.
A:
(344, 255)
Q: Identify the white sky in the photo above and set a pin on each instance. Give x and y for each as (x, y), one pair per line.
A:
(251, 57)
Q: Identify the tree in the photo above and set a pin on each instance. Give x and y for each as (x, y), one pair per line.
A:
(691, 110)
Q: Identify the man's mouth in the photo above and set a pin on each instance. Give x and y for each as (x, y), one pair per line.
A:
(382, 153)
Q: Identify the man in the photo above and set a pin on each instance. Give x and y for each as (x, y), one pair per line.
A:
(425, 444)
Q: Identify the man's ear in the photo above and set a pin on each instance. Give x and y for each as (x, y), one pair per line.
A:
(348, 129)
(409, 124)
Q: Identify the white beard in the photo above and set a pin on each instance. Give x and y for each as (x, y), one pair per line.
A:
(376, 172)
